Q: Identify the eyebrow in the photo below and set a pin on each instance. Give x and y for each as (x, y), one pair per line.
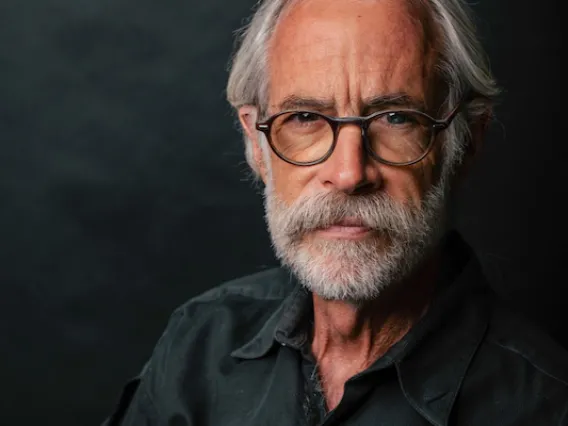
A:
(399, 100)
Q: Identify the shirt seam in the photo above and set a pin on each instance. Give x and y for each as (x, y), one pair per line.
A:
(219, 292)
(531, 362)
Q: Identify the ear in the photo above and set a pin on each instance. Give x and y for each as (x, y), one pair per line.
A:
(478, 130)
(248, 116)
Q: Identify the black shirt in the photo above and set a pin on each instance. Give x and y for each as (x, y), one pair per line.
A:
(239, 355)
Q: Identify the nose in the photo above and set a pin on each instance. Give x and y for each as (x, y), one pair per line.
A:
(349, 169)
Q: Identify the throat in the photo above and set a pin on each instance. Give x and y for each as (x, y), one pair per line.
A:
(328, 380)
(347, 339)
(363, 333)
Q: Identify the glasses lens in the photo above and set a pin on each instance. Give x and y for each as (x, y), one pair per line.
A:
(400, 137)
(301, 136)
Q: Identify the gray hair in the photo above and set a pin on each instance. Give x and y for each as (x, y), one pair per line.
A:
(462, 65)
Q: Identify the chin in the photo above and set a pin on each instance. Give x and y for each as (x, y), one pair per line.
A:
(337, 269)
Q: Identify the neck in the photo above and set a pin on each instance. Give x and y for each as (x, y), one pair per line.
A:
(357, 335)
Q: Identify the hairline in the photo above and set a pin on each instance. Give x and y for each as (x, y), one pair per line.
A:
(420, 15)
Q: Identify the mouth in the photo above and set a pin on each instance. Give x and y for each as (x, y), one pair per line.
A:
(348, 228)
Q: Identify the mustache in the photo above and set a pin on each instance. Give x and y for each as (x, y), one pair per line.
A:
(376, 211)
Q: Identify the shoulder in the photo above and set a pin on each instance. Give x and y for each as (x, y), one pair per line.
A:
(270, 284)
(516, 337)
(518, 372)
(254, 295)
(200, 334)
(204, 331)
(241, 303)
(223, 318)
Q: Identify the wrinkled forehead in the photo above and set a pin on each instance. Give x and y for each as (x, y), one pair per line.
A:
(349, 50)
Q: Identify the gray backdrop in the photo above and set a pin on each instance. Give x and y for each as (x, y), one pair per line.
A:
(124, 193)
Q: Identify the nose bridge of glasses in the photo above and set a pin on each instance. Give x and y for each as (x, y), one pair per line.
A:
(340, 122)
(357, 141)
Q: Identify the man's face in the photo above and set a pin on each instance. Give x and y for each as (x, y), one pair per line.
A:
(351, 225)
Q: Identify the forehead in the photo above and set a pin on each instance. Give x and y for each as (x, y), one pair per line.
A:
(348, 50)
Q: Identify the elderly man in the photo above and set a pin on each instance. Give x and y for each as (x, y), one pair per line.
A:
(360, 117)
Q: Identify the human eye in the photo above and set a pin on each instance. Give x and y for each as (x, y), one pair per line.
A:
(400, 118)
(302, 118)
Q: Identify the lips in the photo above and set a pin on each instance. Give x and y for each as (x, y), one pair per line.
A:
(350, 228)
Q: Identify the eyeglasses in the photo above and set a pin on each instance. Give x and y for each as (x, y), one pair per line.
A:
(394, 137)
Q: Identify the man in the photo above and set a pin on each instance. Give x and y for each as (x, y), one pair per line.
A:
(360, 117)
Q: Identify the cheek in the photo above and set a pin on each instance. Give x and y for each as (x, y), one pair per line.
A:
(408, 183)
(427, 172)
(432, 166)
(288, 180)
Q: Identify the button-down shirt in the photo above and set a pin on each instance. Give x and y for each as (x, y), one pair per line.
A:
(240, 355)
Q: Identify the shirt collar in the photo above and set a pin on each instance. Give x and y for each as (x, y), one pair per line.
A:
(431, 372)
(287, 320)
(432, 359)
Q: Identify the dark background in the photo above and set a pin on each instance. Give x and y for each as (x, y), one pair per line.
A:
(124, 191)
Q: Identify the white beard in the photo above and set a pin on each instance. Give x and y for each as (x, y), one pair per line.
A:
(348, 270)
